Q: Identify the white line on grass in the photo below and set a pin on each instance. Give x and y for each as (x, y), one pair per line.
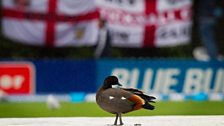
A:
(129, 121)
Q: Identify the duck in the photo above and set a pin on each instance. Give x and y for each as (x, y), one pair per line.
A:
(119, 100)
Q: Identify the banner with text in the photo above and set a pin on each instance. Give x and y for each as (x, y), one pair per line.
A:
(151, 76)
(17, 78)
(147, 23)
(166, 76)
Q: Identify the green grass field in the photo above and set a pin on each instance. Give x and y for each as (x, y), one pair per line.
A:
(39, 109)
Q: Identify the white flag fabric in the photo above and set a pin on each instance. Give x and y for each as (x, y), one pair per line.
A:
(147, 23)
(55, 23)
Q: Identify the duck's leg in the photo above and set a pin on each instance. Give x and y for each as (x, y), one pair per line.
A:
(115, 122)
(121, 123)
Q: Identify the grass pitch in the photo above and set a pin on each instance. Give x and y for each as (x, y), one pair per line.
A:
(85, 109)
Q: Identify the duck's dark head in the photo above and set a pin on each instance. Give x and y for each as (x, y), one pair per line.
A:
(109, 81)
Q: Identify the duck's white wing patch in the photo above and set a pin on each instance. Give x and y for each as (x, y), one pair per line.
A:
(111, 97)
(123, 98)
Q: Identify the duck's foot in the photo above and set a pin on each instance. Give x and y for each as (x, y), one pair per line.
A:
(123, 124)
(114, 125)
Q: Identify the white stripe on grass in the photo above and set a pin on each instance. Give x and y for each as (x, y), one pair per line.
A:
(129, 121)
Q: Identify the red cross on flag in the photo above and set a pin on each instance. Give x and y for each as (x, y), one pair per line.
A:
(54, 23)
(147, 23)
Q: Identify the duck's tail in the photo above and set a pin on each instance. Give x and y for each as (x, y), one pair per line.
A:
(148, 106)
(146, 98)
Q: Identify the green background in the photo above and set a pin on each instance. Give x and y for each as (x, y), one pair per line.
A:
(90, 109)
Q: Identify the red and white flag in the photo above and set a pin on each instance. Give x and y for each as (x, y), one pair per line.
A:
(147, 23)
(54, 23)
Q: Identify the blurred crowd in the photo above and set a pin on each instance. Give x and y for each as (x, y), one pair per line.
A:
(208, 14)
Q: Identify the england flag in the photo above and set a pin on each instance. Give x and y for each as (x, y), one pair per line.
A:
(53, 23)
(148, 23)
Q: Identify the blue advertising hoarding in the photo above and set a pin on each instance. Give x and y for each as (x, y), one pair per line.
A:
(165, 76)
(150, 75)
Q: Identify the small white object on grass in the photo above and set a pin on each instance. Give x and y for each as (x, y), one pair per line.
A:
(3, 96)
(52, 102)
